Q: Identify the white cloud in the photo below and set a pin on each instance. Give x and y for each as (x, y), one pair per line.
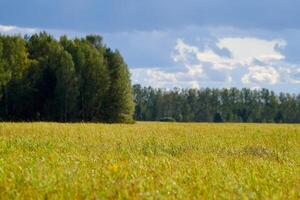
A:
(297, 75)
(17, 30)
(6, 28)
(153, 77)
(183, 51)
(162, 79)
(194, 84)
(12, 30)
(261, 74)
(245, 50)
(293, 75)
(252, 61)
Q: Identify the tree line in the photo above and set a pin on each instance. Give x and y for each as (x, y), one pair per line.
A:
(63, 80)
(215, 105)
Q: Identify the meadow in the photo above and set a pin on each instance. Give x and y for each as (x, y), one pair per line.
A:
(149, 160)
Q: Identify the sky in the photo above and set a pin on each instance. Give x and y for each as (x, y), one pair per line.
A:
(175, 43)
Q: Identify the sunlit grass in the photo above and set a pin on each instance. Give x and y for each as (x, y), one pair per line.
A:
(149, 161)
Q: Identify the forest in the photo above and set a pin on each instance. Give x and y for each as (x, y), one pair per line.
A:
(63, 80)
(215, 105)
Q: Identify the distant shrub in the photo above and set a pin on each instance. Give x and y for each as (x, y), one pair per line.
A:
(218, 118)
(167, 119)
(279, 117)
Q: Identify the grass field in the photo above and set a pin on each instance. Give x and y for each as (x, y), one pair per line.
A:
(149, 161)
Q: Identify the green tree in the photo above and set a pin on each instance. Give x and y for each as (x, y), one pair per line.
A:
(13, 65)
(93, 79)
(66, 90)
(66, 80)
(119, 101)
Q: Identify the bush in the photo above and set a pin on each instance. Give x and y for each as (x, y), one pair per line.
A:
(167, 119)
(218, 118)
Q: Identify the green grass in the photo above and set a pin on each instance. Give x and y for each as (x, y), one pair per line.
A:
(149, 161)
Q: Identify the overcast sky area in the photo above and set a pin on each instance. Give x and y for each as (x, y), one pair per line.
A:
(175, 43)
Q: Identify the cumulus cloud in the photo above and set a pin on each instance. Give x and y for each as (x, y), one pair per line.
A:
(256, 55)
(245, 50)
(261, 74)
(250, 61)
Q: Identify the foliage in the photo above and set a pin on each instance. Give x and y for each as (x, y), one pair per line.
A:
(149, 161)
(216, 105)
(42, 78)
(120, 106)
(167, 119)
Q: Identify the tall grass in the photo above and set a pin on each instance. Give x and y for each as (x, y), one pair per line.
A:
(149, 161)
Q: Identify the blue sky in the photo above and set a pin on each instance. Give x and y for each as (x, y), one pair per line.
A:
(191, 43)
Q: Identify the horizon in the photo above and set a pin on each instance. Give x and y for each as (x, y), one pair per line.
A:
(191, 44)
